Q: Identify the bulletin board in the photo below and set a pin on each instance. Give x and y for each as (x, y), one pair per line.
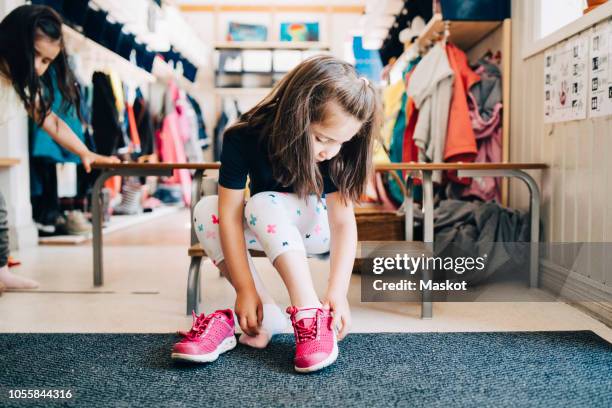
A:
(578, 76)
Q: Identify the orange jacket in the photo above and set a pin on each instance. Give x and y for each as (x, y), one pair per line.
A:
(460, 140)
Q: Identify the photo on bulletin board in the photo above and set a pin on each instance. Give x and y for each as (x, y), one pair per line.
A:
(299, 32)
(247, 32)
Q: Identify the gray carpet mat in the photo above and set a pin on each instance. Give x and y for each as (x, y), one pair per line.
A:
(518, 369)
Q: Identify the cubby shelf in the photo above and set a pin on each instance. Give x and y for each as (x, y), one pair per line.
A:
(465, 34)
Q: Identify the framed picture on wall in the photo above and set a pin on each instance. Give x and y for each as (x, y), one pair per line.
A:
(296, 31)
(247, 32)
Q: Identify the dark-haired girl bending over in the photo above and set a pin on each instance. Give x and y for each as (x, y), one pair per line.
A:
(30, 43)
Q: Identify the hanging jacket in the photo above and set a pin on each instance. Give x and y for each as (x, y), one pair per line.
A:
(397, 135)
(488, 91)
(431, 87)
(117, 87)
(188, 127)
(133, 127)
(107, 132)
(171, 144)
(392, 103)
(460, 141)
(229, 115)
(144, 124)
(488, 134)
(172, 151)
(410, 152)
(219, 129)
(202, 135)
(485, 104)
(396, 149)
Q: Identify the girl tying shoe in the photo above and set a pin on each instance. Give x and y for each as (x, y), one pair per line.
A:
(306, 148)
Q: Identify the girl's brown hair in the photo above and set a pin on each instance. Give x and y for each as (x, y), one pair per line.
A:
(284, 116)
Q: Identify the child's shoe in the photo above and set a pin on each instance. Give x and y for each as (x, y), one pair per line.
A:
(209, 337)
(316, 346)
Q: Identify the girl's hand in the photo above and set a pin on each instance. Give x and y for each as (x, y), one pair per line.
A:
(249, 311)
(65, 137)
(339, 306)
(90, 157)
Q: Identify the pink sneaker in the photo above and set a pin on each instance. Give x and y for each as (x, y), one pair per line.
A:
(316, 346)
(209, 337)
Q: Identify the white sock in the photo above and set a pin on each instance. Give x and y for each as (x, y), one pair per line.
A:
(274, 322)
(13, 281)
(307, 311)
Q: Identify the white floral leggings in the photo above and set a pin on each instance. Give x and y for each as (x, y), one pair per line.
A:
(273, 222)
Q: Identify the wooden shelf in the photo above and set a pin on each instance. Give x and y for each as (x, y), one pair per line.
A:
(242, 91)
(271, 45)
(8, 162)
(464, 34)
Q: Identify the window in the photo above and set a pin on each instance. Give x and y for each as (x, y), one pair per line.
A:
(555, 14)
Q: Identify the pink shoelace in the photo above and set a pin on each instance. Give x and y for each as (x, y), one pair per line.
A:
(200, 323)
(304, 330)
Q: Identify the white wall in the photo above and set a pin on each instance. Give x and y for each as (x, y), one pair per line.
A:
(577, 188)
(15, 182)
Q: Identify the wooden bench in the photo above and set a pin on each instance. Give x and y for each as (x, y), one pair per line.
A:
(197, 250)
(424, 171)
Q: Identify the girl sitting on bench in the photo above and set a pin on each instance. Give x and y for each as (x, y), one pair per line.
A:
(306, 148)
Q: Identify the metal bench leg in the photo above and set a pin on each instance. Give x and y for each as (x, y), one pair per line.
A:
(193, 286)
(534, 210)
(428, 232)
(96, 222)
(194, 293)
(199, 288)
(97, 216)
(426, 297)
(408, 210)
